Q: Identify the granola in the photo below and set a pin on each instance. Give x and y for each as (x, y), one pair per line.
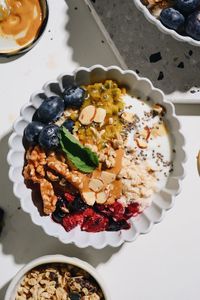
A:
(58, 282)
(156, 6)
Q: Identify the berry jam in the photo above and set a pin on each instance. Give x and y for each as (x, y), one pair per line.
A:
(71, 211)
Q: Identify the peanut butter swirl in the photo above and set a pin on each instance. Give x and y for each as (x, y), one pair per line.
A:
(23, 22)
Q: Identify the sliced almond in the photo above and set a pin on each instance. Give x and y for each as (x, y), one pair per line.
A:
(87, 115)
(151, 168)
(89, 197)
(128, 117)
(95, 185)
(101, 198)
(159, 109)
(107, 177)
(100, 115)
(145, 133)
(141, 143)
(110, 200)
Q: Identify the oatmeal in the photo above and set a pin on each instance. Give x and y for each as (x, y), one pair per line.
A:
(97, 156)
(138, 181)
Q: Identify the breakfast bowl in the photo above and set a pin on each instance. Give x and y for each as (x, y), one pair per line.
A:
(152, 14)
(57, 276)
(23, 27)
(109, 165)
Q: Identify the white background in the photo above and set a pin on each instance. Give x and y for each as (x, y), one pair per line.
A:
(161, 265)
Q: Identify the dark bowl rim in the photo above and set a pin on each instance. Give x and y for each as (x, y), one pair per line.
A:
(34, 42)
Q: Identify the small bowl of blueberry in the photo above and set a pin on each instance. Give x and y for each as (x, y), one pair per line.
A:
(179, 18)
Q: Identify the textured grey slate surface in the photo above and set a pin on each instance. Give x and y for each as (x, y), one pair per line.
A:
(136, 39)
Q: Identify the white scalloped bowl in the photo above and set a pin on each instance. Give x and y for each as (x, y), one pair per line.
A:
(162, 201)
(162, 28)
(48, 259)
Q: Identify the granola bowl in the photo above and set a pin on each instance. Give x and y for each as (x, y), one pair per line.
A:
(57, 277)
(153, 18)
(116, 162)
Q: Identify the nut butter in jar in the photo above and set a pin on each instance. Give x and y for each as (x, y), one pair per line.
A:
(23, 25)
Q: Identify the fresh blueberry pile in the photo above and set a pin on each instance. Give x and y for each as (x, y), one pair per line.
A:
(183, 17)
(71, 211)
(42, 130)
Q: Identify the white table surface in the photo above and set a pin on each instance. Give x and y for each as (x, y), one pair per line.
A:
(161, 265)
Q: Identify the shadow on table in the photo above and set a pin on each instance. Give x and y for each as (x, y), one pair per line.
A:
(187, 109)
(5, 60)
(26, 241)
(3, 290)
(84, 39)
(137, 39)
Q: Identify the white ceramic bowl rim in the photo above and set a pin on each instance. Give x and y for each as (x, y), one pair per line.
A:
(162, 28)
(55, 259)
(150, 216)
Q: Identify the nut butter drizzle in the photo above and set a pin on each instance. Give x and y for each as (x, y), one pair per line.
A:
(24, 20)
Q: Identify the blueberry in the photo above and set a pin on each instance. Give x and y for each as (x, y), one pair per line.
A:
(59, 213)
(61, 203)
(69, 124)
(68, 81)
(31, 133)
(49, 137)
(187, 6)
(193, 25)
(74, 296)
(172, 18)
(50, 110)
(116, 226)
(77, 205)
(74, 96)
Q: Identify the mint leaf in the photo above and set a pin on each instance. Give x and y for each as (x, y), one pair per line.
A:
(69, 136)
(93, 156)
(81, 157)
(81, 165)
